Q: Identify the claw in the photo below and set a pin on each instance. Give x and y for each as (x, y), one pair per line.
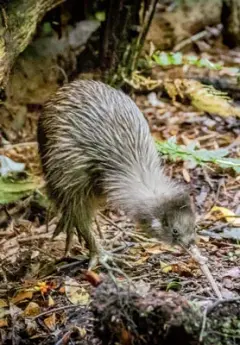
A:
(101, 257)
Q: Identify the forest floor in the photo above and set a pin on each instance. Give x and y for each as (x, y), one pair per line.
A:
(36, 279)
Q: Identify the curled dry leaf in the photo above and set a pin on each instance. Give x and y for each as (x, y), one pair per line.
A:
(93, 278)
(21, 296)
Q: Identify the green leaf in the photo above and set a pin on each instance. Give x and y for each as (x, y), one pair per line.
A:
(174, 285)
(168, 59)
(47, 28)
(11, 191)
(100, 16)
(198, 156)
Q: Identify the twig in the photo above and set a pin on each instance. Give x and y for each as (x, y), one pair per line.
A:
(56, 310)
(203, 325)
(111, 222)
(196, 255)
(209, 276)
(215, 304)
(190, 40)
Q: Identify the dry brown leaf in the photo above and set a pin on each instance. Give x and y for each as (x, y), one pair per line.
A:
(3, 323)
(188, 269)
(32, 309)
(159, 248)
(93, 278)
(21, 296)
(50, 322)
(3, 303)
(75, 292)
(142, 260)
(155, 249)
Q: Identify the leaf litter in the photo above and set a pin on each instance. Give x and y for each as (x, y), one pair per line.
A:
(45, 294)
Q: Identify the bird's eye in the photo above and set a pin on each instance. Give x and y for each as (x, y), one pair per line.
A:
(175, 232)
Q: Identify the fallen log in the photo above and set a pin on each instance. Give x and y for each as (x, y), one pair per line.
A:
(128, 317)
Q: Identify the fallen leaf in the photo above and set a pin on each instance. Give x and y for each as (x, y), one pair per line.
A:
(3, 312)
(229, 215)
(50, 322)
(82, 331)
(183, 269)
(156, 249)
(93, 278)
(3, 303)
(22, 296)
(13, 190)
(76, 293)
(165, 267)
(142, 260)
(126, 337)
(62, 289)
(173, 286)
(32, 309)
(50, 301)
(159, 248)
(3, 323)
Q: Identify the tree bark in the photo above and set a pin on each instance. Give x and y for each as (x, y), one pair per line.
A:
(231, 22)
(19, 19)
(123, 36)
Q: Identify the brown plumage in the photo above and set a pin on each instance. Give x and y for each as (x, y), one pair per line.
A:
(96, 145)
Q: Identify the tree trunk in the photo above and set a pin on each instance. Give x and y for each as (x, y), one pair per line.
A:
(231, 22)
(123, 36)
(19, 19)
